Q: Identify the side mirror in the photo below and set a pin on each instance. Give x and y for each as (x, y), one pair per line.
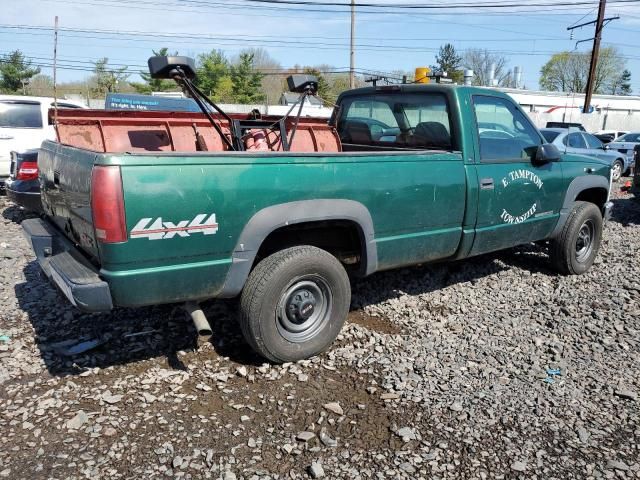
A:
(300, 83)
(547, 153)
(170, 67)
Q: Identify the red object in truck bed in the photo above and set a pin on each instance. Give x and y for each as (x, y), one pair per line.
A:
(137, 131)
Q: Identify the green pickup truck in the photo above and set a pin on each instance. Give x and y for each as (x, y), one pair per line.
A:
(151, 208)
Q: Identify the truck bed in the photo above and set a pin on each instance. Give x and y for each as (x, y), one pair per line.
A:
(130, 131)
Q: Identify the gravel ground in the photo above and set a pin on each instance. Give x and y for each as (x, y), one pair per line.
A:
(489, 368)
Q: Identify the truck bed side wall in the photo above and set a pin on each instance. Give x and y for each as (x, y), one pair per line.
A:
(65, 178)
(416, 201)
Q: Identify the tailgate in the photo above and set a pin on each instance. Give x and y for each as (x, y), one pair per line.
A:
(65, 181)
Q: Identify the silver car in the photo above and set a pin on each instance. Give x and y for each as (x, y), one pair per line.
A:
(583, 143)
(625, 145)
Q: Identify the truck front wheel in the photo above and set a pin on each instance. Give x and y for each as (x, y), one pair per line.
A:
(575, 249)
(294, 304)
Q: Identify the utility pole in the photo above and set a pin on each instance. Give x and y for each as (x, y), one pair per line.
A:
(352, 73)
(600, 23)
(594, 56)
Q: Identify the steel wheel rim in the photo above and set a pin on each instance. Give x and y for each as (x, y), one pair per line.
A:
(616, 171)
(584, 241)
(304, 308)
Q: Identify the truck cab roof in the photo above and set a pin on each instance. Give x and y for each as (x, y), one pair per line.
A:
(422, 88)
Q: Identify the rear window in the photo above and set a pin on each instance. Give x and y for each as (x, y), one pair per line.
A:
(629, 137)
(20, 114)
(415, 121)
(549, 135)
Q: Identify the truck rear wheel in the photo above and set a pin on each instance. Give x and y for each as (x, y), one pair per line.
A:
(575, 249)
(294, 304)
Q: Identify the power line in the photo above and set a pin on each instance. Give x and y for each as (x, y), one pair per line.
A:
(71, 66)
(269, 41)
(412, 6)
(205, 36)
(385, 9)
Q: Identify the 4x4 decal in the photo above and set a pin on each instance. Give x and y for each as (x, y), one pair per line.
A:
(160, 230)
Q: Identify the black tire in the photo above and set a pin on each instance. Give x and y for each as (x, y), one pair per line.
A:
(294, 304)
(575, 249)
(616, 170)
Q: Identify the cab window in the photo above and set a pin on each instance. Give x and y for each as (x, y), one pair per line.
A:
(505, 133)
(395, 121)
(592, 141)
(574, 140)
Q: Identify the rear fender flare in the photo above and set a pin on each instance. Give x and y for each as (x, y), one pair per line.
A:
(577, 186)
(269, 219)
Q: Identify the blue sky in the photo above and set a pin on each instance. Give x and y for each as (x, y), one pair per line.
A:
(392, 40)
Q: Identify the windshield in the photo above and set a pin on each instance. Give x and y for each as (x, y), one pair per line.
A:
(549, 135)
(18, 114)
(629, 137)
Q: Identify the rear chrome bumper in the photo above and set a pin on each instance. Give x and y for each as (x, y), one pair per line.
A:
(65, 266)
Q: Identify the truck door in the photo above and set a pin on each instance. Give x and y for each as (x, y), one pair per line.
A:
(519, 201)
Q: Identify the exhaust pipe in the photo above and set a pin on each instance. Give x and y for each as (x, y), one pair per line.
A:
(199, 320)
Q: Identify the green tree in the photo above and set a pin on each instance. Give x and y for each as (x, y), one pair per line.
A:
(247, 81)
(105, 79)
(340, 83)
(15, 72)
(272, 85)
(324, 89)
(213, 72)
(155, 84)
(448, 60)
(622, 86)
(569, 71)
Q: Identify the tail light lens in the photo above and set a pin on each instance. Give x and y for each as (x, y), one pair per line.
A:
(27, 171)
(107, 204)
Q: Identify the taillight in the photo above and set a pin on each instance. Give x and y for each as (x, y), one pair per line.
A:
(27, 171)
(107, 204)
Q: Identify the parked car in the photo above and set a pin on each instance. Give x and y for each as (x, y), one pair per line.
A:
(23, 187)
(24, 124)
(573, 141)
(191, 213)
(606, 136)
(565, 125)
(625, 144)
(635, 185)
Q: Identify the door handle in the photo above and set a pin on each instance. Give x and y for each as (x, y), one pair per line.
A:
(486, 184)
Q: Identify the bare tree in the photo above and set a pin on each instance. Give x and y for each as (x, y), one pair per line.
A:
(108, 79)
(568, 71)
(41, 85)
(481, 60)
